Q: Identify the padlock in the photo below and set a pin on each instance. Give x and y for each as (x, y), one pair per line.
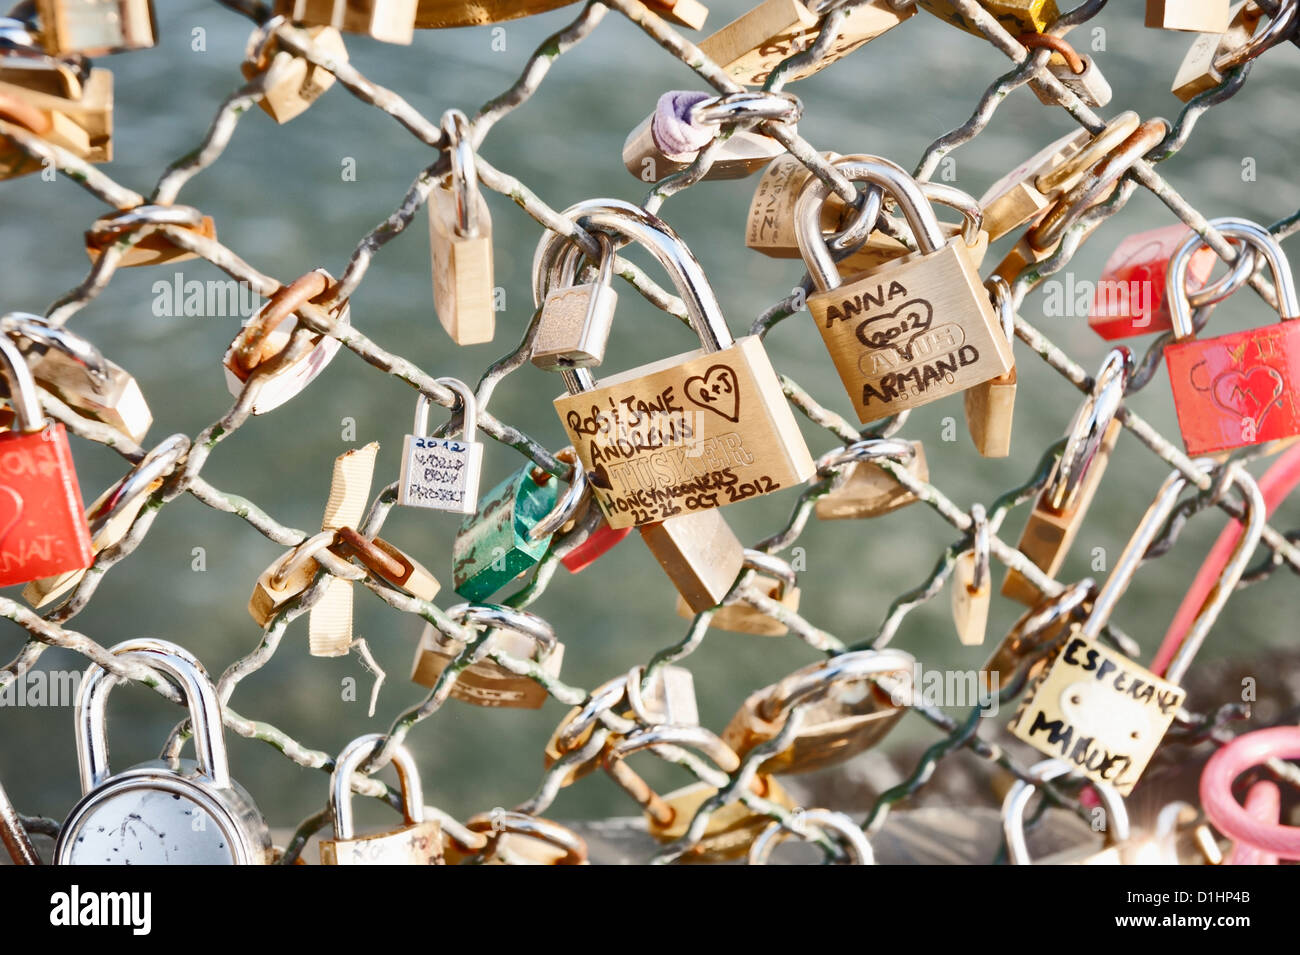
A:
(990, 406)
(437, 14)
(417, 842)
(298, 82)
(96, 27)
(699, 552)
(153, 814)
(1099, 711)
(576, 552)
(684, 122)
(1255, 827)
(1036, 637)
(868, 489)
(72, 368)
(750, 47)
(1130, 295)
(732, 828)
(1117, 830)
(880, 327)
(1076, 71)
(485, 682)
(112, 514)
(1060, 509)
(286, 578)
(392, 21)
(443, 473)
(1016, 16)
(155, 248)
(972, 589)
(387, 562)
(844, 710)
(880, 248)
(849, 833)
(769, 226)
(1195, 16)
(69, 107)
(688, 433)
(1215, 52)
(516, 838)
(268, 333)
(43, 528)
(512, 530)
(576, 318)
(460, 235)
(775, 579)
(1238, 389)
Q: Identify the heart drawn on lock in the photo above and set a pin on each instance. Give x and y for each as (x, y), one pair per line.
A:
(898, 329)
(717, 390)
(1250, 394)
(11, 511)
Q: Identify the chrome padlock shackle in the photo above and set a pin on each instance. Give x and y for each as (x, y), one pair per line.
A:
(972, 214)
(804, 684)
(895, 181)
(157, 464)
(747, 107)
(1004, 304)
(566, 265)
(468, 413)
(184, 669)
(867, 449)
(851, 834)
(566, 508)
(1276, 32)
(500, 617)
(1149, 526)
(464, 172)
(672, 734)
(1261, 240)
(352, 756)
(38, 330)
(1088, 429)
(508, 821)
(1017, 800)
(29, 417)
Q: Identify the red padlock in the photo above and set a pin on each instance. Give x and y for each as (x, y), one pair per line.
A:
(1238, 389)
(598, 543)
(1130, 295)
(43, 528)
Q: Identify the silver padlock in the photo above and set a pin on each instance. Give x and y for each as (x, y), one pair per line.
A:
(153, 814)
(576, 319)
(443, 473)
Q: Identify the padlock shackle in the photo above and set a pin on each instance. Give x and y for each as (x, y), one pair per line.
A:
(1261, 240)
(184, 669)
(746, 107)
(40, 332)
(850, 833)
(1030, 634)
(1017, 800)
(1004, 304)
(855, 666)
(1088, 430)
(500, 617)
(114, 224)
(769, 565)
(500, 821)
(155, 466)
(669, 734)
(464, 172)
(1278, 29)
(353, 755)
(890, 177)
(867, 449)
(1136, 548)
(972, 215)
(468, 410)
(252, 346)
(605, 697)
(569, 503)
(23, 398)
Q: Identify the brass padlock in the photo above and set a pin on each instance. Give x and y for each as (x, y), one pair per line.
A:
(1195, 16)
(516, 838)
(752, 45)
(990, 407)
(484, 682)
(769, 226)
(460, 234)
(732, 827)
(1016, 16)
(576, 318)
(775, 580)
(913, 330)
(1059, 511)
(868, 490)
(881, 248)
(438, 14)
(849, 833)
(290, 575)
(417, 842)
(297, 82)
(842, 708)
(156, 248)
(1076, 71)
(700, 553)
(1036, 636)
(69, 107)
(96, 27)
(1017, 799)
(972, 588)
(392, 21)
(387, 562)
(1215, 52)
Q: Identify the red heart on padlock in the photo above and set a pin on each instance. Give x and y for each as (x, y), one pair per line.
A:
(1250, 394)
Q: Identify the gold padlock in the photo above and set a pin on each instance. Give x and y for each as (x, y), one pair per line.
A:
(990, 406)
(769, 226)
(156, 248)
(1215, 52)
(732, 827)
(460, 233)
(842, 708)
(1017, 16)
(418, 842)
(1060, 509)
(65, 106)
(868, 490)
(386, 562)
(700, 553)
(1036, 636)
(96, 27)
(392, 21)
(516, 838)
(437, 14)
(971, 583)
(1195, 16)
(286, 578)
(1026, 191)
(298, 83)
(913, 330)
(775, 579)
(1117, 831)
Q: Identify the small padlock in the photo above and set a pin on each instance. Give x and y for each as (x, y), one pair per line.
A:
(990, 406)
(1195, 16)
(443, 473)
(1036, 637)
(576, 319)
(96, 27)
(972, 589)
(387, 562)
(732, 828)
(699, 552)
(909, 332)
(1076, 71)
(1099, 711)
(392, 21)
(268, 333)
(1016, 16)
(152, 814)
(1238, 389)
(880, 248)
(1130, 295)
(417, 842)
(684, 434)
(73, 368)
(1013, 821)
(1060, 509)
(460, 234)
(775, 579)
(516, 838)
(154, 249)
(844, 710)
(868, 489)
(1216, 51)
(752, 45)
(849, 833)
(42, 519)
(485, 682)
(298, 82)
(286, 578)
(69, 107)
(769, 227)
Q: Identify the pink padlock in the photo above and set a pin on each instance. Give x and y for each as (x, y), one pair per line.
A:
(1228, 816)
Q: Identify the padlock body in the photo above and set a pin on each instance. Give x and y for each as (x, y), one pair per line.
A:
(1090, 85)
(769, 228)
(1014, 199)
(50, 91)
(485, 683)
(970, 604)
(598, 543)
(1099, 712)
(1197, 72)
(742, 618)
(436, 14)
(392, 21)
(686, 434)
(463, 290)
(1130, 295)
(1017, 16)
(43, 529)
(301, 83)
(1196, 16)
(870, 490)
(731, 828)
(700, 553)
(492, 547)
(96, 27)
(574, 327)
(287, 381)
(911, 332)
(1238, 389)
(153, 249)
(440, 473)
(990, 410)
(419, 844)
(118, 402)
(743, 153)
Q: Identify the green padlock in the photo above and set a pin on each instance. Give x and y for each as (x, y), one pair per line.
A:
(512, 529)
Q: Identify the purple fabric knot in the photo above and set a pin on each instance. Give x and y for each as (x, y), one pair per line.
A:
(671, 129)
